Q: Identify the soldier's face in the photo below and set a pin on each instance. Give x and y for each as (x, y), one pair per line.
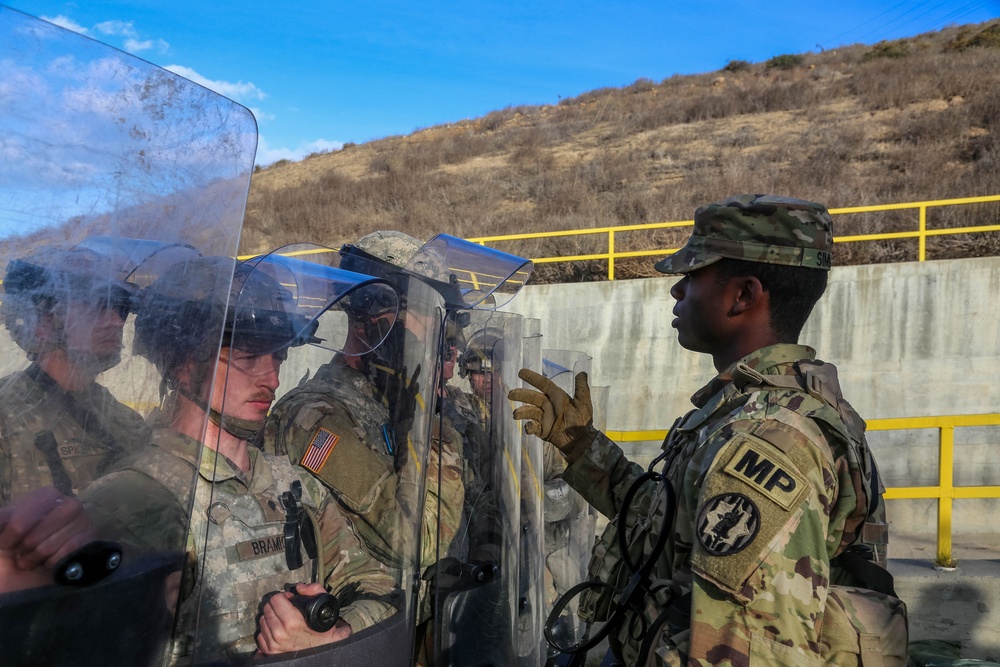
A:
(245, 383)
(450, 355)
(482, 384)
(93, 330)
(700, 314)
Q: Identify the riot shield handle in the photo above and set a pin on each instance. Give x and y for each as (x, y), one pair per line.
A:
(320, 611)
(89, 564)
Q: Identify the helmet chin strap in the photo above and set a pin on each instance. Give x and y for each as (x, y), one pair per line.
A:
(244, 429)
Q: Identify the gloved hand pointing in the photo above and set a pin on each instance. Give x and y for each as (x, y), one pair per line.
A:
(551, 413)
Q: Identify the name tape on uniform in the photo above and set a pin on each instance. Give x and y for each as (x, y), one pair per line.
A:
(259, 548)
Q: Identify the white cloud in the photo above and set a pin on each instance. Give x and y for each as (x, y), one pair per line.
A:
(238, 91)
(135, 45)
(66, 22)
(131, 41)
(118, 28)
(267, 155)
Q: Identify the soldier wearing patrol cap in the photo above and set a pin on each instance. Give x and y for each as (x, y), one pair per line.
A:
(758, 536)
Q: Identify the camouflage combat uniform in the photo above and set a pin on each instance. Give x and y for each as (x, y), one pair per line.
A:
(145, 505)
(53, 437)
(773, 480)
(342, 403)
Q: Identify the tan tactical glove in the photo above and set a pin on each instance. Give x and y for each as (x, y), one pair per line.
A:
(551, 414)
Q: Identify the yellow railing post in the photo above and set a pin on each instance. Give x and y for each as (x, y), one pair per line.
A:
(923, 233)
(611, 254)
(946, 490)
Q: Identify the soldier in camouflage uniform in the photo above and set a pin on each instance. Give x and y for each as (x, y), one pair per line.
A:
(759, 534)
(257, 525)
(364, 471)
(66, 309)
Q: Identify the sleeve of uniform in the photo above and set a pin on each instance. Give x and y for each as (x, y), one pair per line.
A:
(346, 562)
(136, 510)
(760, 557)
(602, 475)
(443, 508)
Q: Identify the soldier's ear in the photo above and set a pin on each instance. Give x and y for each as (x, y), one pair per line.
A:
(184, 375)
(746, 294)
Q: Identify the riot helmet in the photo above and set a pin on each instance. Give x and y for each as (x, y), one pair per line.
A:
(173, 324)
(70, 299)
(482, 355)
(199, 305)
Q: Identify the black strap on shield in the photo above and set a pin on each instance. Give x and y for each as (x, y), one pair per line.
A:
(298, 531)
(638, 587)
(46, 443)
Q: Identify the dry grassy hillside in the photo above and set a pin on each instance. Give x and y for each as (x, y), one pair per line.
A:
(898, 121)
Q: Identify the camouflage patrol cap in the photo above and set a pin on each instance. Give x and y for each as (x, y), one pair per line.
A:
(756, 228)
(396, 248)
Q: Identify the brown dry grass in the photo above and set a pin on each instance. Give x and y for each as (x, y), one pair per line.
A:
(901, 121)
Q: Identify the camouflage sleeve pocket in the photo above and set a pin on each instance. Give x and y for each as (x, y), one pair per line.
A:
(766, 652)
(864, 627)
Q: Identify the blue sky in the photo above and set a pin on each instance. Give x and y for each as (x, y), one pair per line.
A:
(320, 73)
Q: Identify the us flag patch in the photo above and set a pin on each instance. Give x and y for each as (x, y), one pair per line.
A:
(319, 450)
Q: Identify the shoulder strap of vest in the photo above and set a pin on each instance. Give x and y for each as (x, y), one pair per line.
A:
(89, 421)
(857, 559)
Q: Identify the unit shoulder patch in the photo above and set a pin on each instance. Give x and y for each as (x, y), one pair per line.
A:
(757, 466)
(727, 524)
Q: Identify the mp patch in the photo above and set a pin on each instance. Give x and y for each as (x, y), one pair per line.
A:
(319, 450)
(727, 524)
(777, 480)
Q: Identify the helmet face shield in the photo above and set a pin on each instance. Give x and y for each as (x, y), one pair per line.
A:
(139, 261)
(480, 277)
(466, 274)
(311, 301)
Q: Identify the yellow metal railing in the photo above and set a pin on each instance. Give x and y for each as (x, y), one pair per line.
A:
(921, 232)
(945, 492)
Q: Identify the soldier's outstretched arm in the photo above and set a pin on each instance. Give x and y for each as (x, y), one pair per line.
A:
(597, 468)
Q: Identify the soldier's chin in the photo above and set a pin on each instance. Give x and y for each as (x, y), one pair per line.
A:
(95, 363)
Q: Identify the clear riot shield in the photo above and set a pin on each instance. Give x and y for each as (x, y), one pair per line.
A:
(531, 604)
(379, 402)
(569, 522)
(296, 528)
(96, 143)
(478, 589)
